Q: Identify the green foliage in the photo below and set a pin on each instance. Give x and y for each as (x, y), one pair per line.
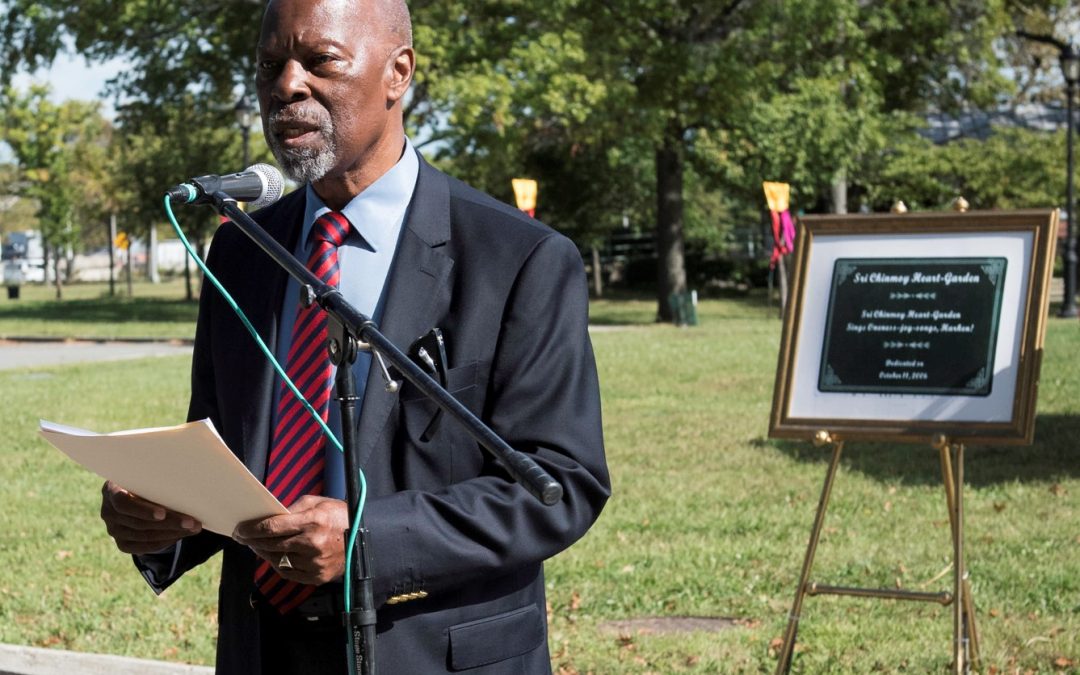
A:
(582, 94)
(1012, 168)
(173, 50)
(190, 138)
(60, 150)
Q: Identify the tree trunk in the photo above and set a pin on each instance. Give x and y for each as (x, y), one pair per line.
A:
(597, 273)
(152, 257)
(189, 293)
(839, 192)
(671, 262)
(112, 254)
(56, 273)
(46, 258)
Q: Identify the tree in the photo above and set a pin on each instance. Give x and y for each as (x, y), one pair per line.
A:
(736, 88)
(586, 93)
(16, 212)
(184, 140)
(55, 146)
(206, 48)
(1012, 168)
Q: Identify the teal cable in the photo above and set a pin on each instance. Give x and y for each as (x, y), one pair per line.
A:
(353, 531)
(292, 387)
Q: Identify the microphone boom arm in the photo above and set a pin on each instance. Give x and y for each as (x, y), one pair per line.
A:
(520, 466)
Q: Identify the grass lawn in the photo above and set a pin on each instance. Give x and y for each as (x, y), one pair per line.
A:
(88, 311)
(709, 518)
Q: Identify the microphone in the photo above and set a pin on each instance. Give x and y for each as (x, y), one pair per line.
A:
(259, 185)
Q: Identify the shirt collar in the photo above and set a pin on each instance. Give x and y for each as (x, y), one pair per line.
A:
(376, 213)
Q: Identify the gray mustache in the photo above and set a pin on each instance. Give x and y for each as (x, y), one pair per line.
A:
(285, 117)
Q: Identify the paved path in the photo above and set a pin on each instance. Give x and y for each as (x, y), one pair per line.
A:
(32, 354)
(16, 660)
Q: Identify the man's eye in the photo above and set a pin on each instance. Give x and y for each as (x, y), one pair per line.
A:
(268, 66)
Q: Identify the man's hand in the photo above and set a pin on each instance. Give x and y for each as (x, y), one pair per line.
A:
(141, 526)
(312, 534)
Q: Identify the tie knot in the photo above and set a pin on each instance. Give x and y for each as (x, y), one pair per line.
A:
(331, 227)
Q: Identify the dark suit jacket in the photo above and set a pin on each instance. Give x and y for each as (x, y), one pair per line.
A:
(510, 296)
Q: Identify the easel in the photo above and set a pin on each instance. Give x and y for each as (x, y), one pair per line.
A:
(965, 635)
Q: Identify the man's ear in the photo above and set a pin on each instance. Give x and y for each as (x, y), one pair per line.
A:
(399, 72)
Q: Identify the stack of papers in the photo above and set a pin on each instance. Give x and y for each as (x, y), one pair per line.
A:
(186, 468)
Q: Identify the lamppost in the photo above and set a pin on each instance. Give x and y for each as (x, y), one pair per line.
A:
(1069, 59)
(1070, 67)
(245, 117)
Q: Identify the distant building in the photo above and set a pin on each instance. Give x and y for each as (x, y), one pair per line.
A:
(945, 127)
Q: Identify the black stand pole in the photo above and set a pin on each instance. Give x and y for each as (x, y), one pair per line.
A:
(351, 329)
(1068, 307)
(360, 620)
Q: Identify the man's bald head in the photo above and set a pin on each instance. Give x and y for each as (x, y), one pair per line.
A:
(392, 15)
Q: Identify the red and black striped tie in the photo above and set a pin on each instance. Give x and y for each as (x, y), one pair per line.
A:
(296, 462)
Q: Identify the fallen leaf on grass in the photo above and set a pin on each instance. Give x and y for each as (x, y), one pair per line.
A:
(575, 601)
(1057, 490)
(999, 506)
(994, 612)
(63, 555)
(774, 646)
(50, 641)
(1062, 662)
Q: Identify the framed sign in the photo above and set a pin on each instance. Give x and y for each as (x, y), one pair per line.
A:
(903, 327)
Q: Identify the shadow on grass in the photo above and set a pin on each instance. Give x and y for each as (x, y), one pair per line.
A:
(104, 310)
(1053, 456)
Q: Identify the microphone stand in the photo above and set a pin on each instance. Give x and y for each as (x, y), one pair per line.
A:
(349, 331)
(360, 620)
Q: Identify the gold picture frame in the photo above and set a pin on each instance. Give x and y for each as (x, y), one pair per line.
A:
(886, 312)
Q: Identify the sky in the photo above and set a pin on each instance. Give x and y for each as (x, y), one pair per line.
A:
(71, 78)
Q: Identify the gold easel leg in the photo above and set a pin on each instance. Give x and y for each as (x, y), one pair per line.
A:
(965, 633)
(784, 664)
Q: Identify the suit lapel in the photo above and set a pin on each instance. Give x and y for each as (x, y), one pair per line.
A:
(417, 294)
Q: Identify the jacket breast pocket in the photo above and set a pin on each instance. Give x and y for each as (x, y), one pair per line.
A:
(496, 638)
(419, 412)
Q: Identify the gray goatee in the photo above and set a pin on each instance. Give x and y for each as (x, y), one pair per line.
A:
(304, 165)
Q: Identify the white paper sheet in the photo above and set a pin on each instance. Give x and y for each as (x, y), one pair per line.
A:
(186, 468)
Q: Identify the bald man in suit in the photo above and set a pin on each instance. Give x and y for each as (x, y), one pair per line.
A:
(457, 547)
